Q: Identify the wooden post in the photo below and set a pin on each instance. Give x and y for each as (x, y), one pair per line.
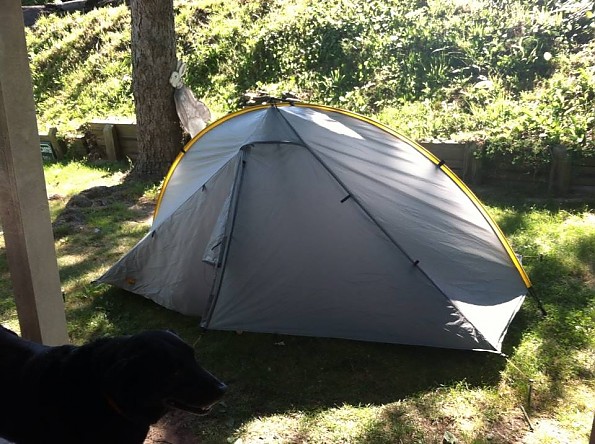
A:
(471, 164)
(23, 200)
(57, 144)
(112, 144)
(560, 171)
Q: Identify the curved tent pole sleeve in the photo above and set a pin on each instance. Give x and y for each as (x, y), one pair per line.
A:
(220, 269)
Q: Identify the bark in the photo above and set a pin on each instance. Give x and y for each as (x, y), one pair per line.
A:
(153, 60)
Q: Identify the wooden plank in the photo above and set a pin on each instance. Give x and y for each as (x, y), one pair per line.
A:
(112, 145)
(472, 165)
(560, 170)
(23, 200)
(114, 136)
(584, 170)
(126, 130)
(448, 152)
(586, 161)
(583, 180)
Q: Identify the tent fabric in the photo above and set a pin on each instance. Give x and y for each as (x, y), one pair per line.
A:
(314, 221)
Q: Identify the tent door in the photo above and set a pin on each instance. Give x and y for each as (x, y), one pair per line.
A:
(213, 253)
(221, 240)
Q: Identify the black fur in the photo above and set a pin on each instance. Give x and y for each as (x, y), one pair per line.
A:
(108, 391)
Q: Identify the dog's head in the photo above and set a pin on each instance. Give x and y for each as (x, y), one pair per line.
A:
(155, 370)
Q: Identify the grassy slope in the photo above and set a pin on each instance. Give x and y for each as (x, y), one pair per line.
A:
(516, 74)
(292, 389)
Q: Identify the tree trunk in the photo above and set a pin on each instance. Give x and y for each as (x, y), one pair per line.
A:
(153, 60)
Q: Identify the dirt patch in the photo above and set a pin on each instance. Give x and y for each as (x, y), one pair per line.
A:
(72, 218)
(173, 428)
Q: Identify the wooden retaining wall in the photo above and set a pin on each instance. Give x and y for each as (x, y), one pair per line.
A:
(565, 173)
(462, 158)
(113, 140)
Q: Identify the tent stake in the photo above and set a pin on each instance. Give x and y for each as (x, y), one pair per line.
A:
(527, 419)
(533, 294)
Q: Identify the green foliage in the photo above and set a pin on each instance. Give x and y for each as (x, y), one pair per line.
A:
(515, 74)
(81, 67)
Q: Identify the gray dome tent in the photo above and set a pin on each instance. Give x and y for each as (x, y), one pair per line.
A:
(309, 220)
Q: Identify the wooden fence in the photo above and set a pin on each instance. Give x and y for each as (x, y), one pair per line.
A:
(564, 174)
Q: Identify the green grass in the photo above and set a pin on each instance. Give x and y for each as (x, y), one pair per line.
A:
(286, 389)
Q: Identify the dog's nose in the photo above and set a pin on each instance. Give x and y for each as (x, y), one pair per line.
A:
(222, 387)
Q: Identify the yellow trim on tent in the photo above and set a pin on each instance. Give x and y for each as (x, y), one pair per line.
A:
(448, 172)
(454, 178)
(383, 127)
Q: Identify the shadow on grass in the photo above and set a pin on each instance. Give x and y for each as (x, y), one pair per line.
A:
(568, 293)
(272, 374)
(96, 226)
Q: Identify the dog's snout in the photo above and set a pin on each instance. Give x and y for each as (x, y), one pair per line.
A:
(222, 387)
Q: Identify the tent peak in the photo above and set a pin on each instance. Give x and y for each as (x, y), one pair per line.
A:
(251, 98)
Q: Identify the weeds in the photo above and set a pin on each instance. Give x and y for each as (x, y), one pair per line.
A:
(514, 74)
(296, 389)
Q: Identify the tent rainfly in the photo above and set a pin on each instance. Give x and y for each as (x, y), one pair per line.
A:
(310, 220)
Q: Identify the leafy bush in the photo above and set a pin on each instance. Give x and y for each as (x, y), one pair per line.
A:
(515, 74)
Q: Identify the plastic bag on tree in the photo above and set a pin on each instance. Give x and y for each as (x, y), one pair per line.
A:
(193, 114)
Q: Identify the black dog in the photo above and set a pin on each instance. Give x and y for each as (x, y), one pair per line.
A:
(108, 391)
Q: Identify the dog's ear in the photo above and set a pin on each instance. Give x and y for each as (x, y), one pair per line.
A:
(132, 372)
(130, 385)
(120, 372)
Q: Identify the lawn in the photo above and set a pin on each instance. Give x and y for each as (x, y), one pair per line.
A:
(287, 389)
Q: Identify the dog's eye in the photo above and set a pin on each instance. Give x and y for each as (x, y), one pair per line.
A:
(178, 374)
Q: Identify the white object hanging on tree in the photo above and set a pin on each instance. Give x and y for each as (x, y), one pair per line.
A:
(194, 114)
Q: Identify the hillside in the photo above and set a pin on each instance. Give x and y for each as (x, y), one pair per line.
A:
(518, 75)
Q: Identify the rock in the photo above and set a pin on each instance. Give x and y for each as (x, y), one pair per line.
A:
(97, 192)
(79, 201)
(449, 438)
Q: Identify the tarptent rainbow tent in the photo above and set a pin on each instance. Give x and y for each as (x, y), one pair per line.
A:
(309, 220)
